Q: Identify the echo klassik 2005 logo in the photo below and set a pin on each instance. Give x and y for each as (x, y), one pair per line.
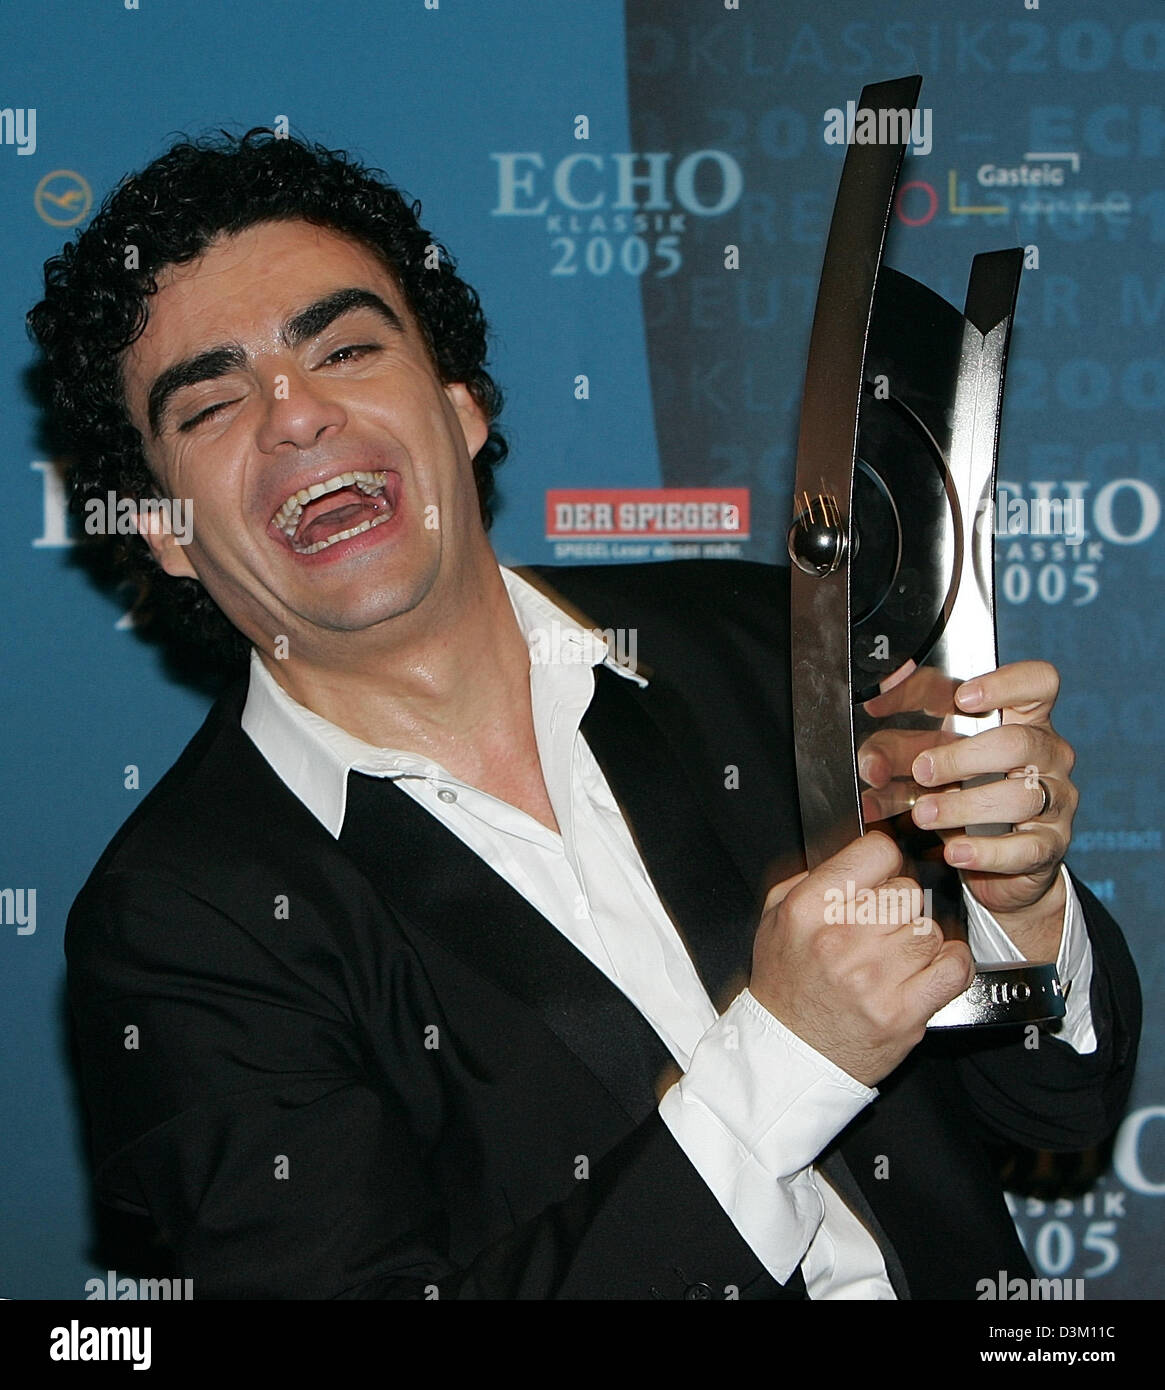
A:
(1051, 537)
(615, 213)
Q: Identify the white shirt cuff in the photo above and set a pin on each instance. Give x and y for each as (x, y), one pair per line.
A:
(754, 1109)
(989, 942)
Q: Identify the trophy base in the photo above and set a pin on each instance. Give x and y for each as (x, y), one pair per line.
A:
(1008, 993)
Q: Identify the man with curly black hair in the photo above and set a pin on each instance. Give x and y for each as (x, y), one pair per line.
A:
(422, 973)
(96, 301)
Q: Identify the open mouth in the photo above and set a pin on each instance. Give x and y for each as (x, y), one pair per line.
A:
(326, 513)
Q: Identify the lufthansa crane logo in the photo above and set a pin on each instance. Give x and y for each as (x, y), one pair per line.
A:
(63, 198)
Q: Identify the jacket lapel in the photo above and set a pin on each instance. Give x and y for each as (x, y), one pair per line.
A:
(441, 889)
(708, 900)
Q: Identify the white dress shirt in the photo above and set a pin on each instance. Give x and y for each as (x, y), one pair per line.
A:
(756, 1104)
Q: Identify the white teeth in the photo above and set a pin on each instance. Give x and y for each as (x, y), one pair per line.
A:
(288, 516)
(343, 535)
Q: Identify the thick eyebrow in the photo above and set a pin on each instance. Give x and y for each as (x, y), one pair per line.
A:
(218, 361)
(316, 317)
(230, 357)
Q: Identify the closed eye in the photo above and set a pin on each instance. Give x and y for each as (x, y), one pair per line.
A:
(195, 420)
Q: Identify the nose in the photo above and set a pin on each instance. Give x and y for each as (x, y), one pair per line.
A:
(299, 409)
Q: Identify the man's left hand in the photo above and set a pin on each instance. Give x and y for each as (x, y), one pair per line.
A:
(1016, 876)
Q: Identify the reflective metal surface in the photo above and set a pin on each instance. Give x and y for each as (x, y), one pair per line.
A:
(826, 454)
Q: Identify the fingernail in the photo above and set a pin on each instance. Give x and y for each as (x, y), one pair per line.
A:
(923, 768)
(960, 853)
(970, 694)
(926, 811)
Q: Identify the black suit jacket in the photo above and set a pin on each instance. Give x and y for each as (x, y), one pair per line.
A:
(368, 1068)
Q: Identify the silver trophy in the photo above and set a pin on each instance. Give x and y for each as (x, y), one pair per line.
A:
(893, 533)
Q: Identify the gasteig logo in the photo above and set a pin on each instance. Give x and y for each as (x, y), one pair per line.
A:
(623, 213)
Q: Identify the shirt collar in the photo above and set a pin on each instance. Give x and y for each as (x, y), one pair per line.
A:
(313, 756)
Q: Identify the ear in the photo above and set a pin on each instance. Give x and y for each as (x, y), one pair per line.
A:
(167, 548)
(474, 426)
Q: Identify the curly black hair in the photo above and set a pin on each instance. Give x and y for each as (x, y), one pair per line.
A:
(96, 305)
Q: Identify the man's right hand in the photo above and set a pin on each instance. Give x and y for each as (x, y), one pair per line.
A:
(859, 992)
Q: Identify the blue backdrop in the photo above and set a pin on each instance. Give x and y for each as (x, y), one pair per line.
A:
(600, 249)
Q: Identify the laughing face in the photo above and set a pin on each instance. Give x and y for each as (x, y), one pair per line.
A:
(283, 386)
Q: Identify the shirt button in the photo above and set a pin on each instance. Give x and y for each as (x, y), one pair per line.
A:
(698, 1291)
(447, 795)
